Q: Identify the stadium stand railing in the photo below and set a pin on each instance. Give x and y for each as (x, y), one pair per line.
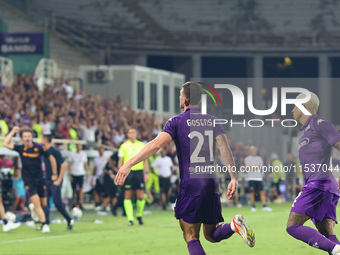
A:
(48, 70)
(64, 142)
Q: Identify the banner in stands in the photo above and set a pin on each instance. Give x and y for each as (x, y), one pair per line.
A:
(22, 43)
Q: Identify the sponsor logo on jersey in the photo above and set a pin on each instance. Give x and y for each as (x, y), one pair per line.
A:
(303, 142)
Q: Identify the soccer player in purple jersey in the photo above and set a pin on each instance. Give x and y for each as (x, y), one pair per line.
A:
(198, 200)
(319, 197)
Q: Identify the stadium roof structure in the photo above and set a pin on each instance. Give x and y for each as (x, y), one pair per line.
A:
(193, 24)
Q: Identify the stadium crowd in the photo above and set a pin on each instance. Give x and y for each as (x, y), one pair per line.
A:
(68, 114)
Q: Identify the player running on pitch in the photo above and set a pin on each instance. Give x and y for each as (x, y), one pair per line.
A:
(198, 200)
(319, 197)
(32, 174)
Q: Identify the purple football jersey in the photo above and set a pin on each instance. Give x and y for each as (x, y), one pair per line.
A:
(315, 144)
(194, 135)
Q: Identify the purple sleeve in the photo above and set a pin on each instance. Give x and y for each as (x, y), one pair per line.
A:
(219, 130)
(327, 131)
(170, 127)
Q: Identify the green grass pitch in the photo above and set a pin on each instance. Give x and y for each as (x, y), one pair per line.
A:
(160, 235)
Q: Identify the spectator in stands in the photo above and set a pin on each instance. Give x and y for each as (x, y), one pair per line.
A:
(46, 125)
(119, 136)
(36, 127)
(66, 130)
(58, 132)
(89, 133)
(102, 134)
(26, 117)
(69, 90)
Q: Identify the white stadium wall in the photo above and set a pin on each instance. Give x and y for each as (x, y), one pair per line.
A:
(144, 88)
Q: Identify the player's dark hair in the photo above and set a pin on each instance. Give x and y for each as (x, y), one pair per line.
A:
(192, 92)
(48, 138)
(25, 130)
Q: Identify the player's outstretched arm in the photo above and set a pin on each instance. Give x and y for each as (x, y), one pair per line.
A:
(9, 137)
(148, 150)
(146, 170)
(228, 160)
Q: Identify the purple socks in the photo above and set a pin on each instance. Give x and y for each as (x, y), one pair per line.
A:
(222, 232)
(312, 237)
(333, 239)
(195, 247)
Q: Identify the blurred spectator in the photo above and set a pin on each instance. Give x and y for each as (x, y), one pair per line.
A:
(152, 187)
(58, 132)
(254, 166)
(99, 165)
(77, 169)
(89, 133)
(119, 137)
(69, 90)
(116, 193)
(164, 166)
(58, 110)
(46, 126)
(290, 177)
(37, 129)
(278, 178)
(20, 191)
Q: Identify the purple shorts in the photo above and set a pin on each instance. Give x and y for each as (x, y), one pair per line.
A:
(316, 203)
(205, 208)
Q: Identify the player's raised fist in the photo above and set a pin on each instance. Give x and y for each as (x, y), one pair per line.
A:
(16, 129)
